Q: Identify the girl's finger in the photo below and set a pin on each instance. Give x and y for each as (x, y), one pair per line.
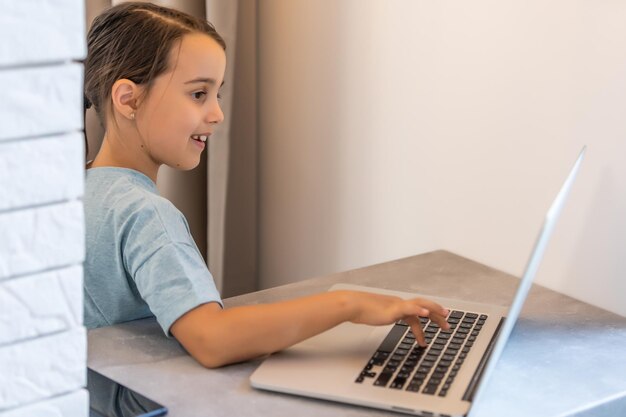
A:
(440, 320)
(432, 306)
(416, 328)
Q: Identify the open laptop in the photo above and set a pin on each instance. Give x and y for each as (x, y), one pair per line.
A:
(383, 367)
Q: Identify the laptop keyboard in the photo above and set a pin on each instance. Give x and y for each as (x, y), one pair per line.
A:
(400, 363)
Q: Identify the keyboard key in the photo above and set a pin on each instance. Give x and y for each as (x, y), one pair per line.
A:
(419, 377)
(383, 379)
(450, 352)
(439, 373)
(392, 339)
(402, 374)
(434, 382)
(483, 317)
(471, 315)
(430, 389)
(414, 387)
(379, 360)
(456, 314)
(398, 383)
(410, 363)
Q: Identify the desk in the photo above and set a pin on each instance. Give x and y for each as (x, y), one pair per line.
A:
(564, 358)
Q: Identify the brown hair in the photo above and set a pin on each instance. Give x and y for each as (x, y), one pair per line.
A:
(133, 41)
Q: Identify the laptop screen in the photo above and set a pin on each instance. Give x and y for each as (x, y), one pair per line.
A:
(531, 269)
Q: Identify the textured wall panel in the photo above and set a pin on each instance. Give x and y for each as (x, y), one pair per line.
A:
(43, 170)
(36, 37)
(40, 100)
(42, 368)
(75, 404)
(41, 304)
(41, 238)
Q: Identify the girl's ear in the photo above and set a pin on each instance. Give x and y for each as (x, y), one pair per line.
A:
(125, 95)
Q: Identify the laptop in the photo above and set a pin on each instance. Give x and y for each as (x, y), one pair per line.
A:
(384, 368)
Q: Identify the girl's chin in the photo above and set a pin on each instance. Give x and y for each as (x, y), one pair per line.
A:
(184, 166)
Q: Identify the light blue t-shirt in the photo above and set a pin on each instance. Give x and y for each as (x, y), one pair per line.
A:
(141, 259)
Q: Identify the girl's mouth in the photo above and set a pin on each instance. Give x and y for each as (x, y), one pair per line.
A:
(200, 138)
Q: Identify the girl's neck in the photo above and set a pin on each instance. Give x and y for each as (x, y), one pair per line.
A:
(110, 156)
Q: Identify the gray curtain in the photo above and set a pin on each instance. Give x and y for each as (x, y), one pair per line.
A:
(219, 197)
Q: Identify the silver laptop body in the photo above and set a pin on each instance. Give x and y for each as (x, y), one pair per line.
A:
(347, 363)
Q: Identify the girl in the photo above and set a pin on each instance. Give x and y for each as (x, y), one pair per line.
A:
(153, 76)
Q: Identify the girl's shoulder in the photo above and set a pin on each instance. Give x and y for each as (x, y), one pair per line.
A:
(128, 197)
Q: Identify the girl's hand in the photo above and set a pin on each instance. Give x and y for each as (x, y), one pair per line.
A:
(377, 309)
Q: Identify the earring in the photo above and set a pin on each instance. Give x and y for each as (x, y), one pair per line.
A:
(132, 116)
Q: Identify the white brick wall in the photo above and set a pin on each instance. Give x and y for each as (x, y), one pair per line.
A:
(42, 339)
(73, 404)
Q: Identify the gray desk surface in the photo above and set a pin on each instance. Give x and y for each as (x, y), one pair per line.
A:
(564, 358)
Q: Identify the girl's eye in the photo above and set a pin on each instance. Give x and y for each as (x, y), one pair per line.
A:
(198, 95)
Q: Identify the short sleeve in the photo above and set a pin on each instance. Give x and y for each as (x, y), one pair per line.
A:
(165, 264)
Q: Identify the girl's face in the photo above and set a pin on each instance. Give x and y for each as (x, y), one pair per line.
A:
(181, 109)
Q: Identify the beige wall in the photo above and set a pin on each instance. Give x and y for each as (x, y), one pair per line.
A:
(393, 128)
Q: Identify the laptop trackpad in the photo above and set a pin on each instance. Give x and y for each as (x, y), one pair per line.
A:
(346, 339)
(338, 354)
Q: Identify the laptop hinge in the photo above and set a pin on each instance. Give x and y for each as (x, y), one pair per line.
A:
(471, 388)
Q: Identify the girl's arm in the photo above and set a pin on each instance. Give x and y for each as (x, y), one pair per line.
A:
(216, 336)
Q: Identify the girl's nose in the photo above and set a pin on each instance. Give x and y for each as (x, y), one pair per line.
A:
(215, 114)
